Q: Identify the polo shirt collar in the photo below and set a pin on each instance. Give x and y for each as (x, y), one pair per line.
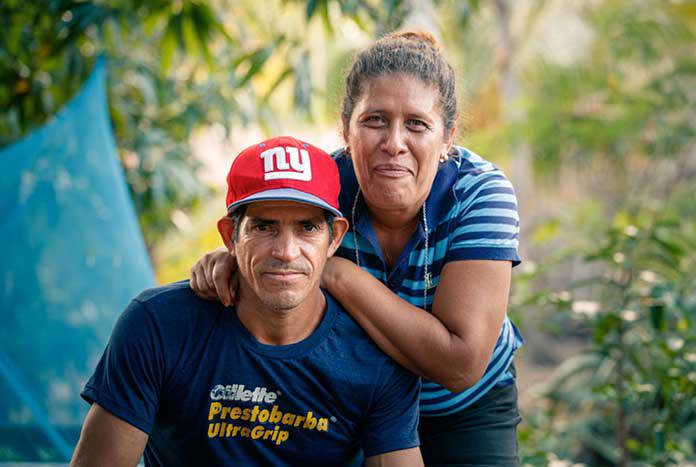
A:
(439, 201)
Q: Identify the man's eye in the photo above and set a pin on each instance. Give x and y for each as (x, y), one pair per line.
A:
(261, 227)
(310, 227)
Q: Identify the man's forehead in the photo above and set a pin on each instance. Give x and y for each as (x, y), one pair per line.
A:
(283, 210)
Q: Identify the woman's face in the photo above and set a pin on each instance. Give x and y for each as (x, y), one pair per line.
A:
(396, 136)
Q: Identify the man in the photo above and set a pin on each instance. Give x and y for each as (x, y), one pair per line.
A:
(286, 378)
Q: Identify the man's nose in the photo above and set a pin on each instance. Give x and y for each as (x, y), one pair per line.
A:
(395, 140)
(286, 246)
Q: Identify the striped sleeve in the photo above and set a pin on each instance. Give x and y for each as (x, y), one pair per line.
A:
(486, 222)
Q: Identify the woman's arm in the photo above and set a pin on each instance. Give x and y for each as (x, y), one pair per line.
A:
(453, 345)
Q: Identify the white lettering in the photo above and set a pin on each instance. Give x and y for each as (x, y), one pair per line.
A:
(276, 166)
(238, 392)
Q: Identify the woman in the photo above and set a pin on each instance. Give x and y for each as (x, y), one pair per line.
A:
(425, 268)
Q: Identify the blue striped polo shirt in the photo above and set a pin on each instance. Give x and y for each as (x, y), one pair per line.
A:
(471, 214)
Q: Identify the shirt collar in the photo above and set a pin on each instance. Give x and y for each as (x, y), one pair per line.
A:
(439, 201)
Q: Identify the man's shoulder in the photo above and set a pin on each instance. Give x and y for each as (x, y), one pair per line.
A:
(165, 297)
(164, 292)
(351, 335)
(345, 324)
(175, 306)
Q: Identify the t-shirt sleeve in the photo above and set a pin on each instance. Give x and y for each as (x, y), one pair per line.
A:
(129, 376)
(392, 423)
(487, 225)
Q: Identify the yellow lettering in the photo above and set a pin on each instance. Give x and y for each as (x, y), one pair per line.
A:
(263, 415)
(269, 433)
(246, 414)
(213, 430)
(282, 436)
(323, 424)
(236, 430)
(225, 411)
(288, 419)
(298, 420)
(215, 408)
(257, 432)
(254, 413)
(275, 414)
(311, 422)
(245, 432)
(235, 413)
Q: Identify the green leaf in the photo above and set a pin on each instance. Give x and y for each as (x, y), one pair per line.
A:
(311, 8)
(657, 316)
(256, 61)
(546, 231)
(281, 78)
(326, 19)
(168, 48)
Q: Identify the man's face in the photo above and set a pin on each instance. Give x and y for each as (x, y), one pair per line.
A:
(281, 249)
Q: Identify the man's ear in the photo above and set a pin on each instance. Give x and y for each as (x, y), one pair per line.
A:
(226, 229)
(340, 227)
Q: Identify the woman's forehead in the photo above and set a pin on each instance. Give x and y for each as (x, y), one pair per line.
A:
(397, 81)
(400, 91)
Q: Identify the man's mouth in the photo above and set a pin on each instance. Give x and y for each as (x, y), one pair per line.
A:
(284, 275)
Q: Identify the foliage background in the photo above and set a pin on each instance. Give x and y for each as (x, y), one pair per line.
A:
(589, 106)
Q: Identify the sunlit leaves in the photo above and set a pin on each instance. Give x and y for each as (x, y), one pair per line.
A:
(173, 67)
(640, 312)
(633, 96)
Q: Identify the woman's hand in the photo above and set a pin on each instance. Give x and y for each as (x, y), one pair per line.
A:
(214, 277)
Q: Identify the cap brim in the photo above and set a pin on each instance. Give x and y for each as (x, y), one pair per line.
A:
(285, 194)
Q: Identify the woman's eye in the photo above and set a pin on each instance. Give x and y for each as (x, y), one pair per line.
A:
(417, 125)
(374, 120)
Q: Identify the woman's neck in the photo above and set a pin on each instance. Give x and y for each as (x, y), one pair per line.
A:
(393, 229)
(394, 220)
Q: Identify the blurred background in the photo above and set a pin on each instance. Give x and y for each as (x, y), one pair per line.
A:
(119, 119)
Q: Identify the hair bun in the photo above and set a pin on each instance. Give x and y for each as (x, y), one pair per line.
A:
(416, 36)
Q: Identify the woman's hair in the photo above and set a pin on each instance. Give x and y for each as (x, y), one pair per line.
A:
(414, 53)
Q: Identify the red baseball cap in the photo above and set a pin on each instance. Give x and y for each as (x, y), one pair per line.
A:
(284, 168)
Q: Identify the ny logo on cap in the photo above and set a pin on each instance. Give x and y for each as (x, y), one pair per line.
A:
(276, 166)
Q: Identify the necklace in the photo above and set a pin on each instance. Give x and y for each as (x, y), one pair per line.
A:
(427, 277)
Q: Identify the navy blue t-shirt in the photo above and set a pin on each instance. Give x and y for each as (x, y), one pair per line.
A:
(187, 372)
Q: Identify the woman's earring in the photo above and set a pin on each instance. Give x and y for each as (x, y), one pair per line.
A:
(347, 149)
(444, 158)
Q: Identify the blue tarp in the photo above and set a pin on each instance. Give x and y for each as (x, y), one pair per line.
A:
(72, 257)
